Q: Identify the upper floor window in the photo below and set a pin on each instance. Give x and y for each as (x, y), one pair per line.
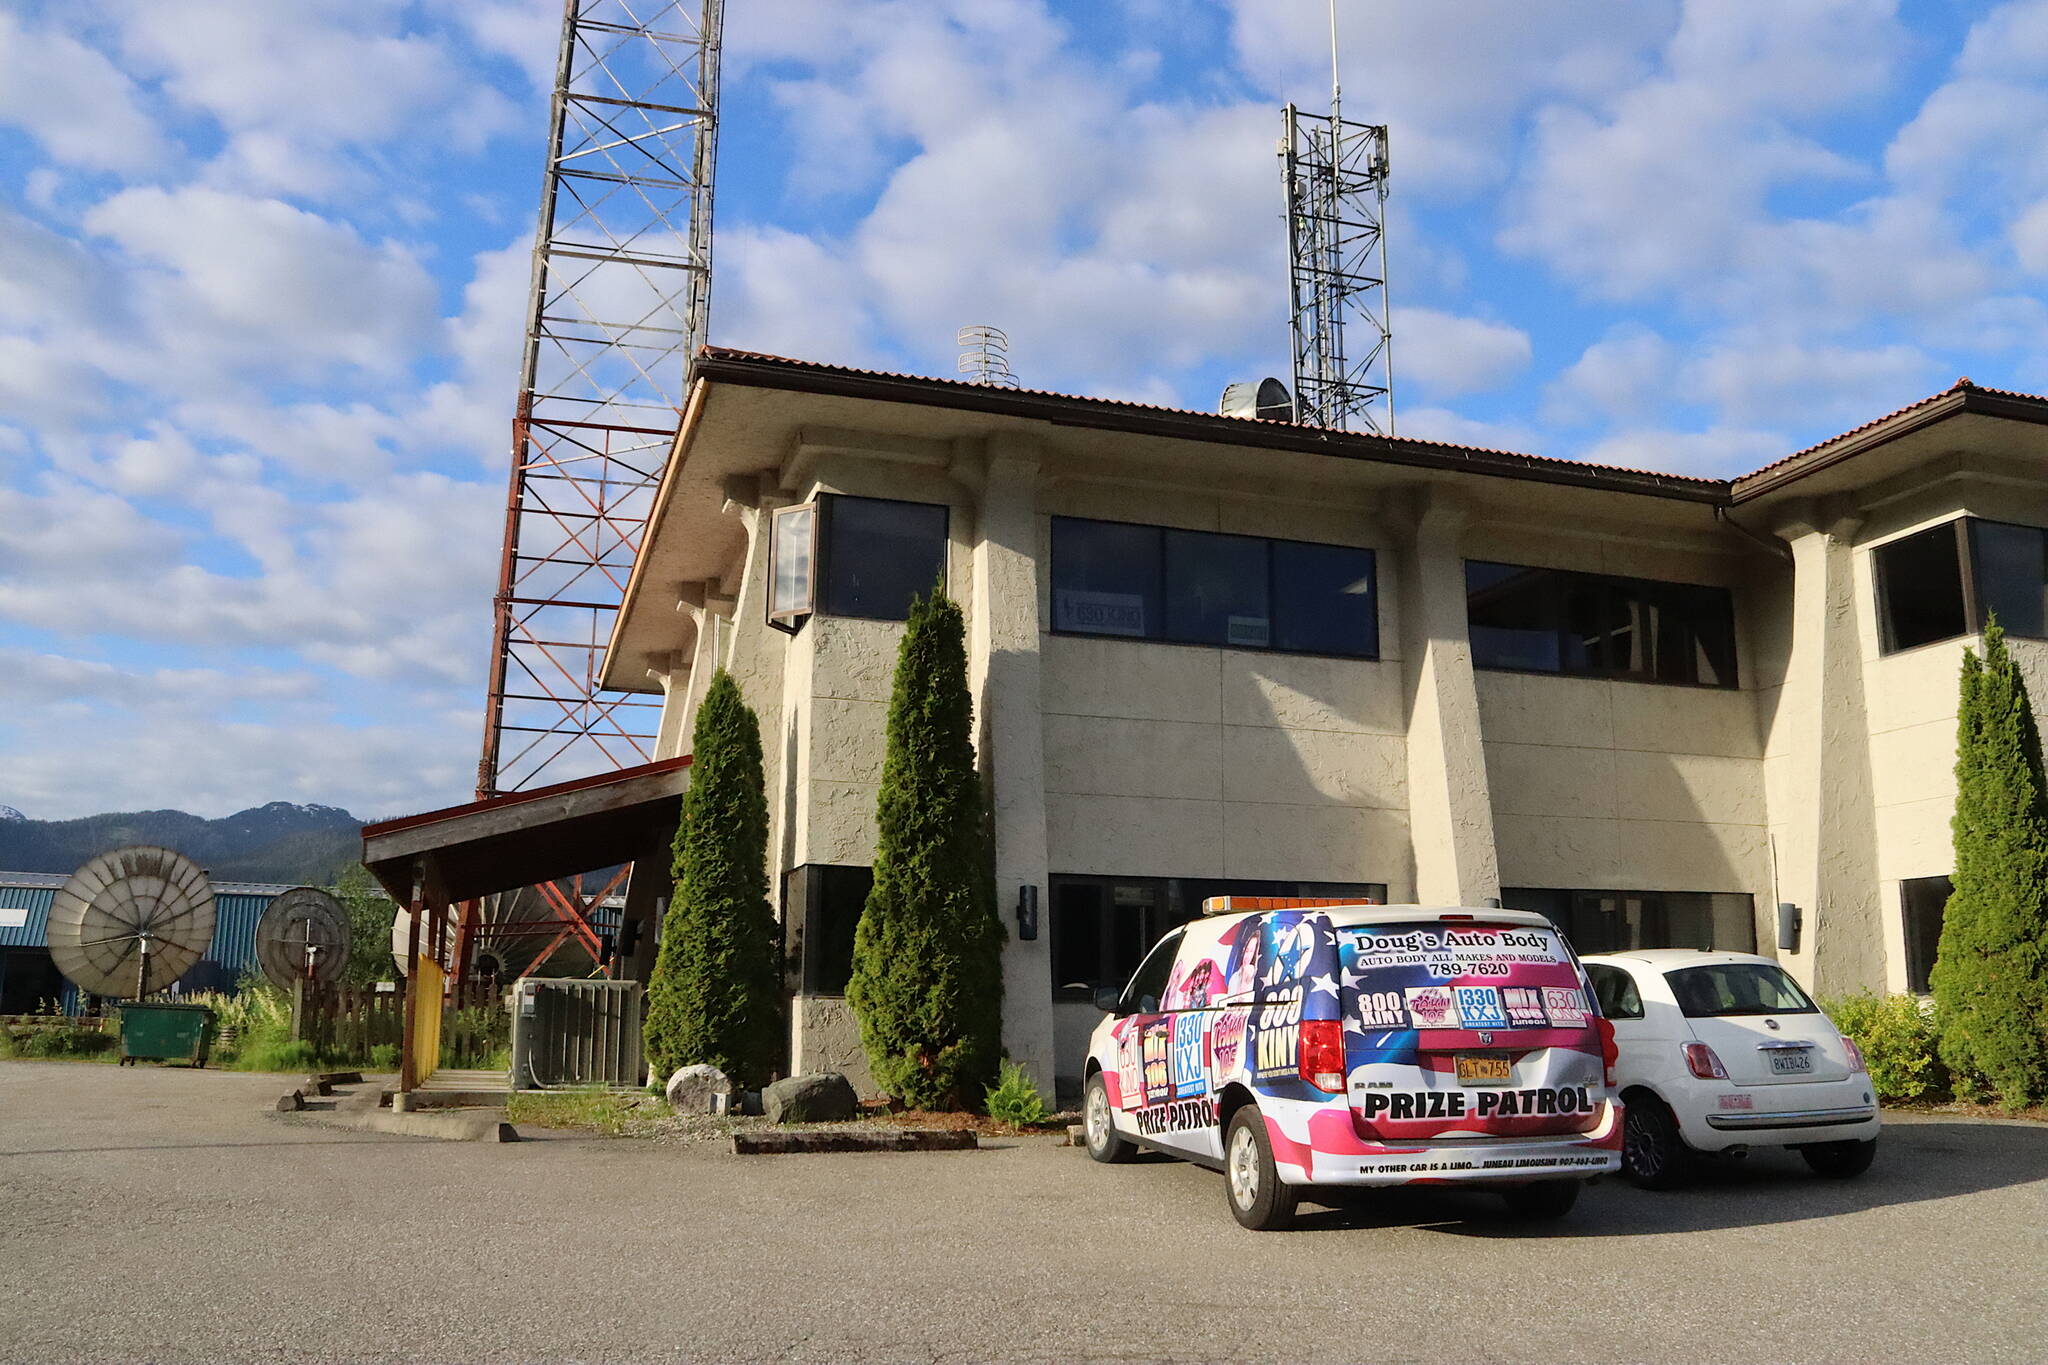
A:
(1561, 621)
(1948, 580)
(849, 556)
(1206, 588)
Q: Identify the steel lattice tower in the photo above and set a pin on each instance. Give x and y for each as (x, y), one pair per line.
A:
(618, 305)
(1336, 173)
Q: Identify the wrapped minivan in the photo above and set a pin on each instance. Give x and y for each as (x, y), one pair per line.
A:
(1302, 1043)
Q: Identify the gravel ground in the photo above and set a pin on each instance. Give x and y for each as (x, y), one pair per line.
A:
(161, 1215)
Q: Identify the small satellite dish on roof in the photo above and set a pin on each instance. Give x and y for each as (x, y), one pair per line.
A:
(130, 922)
(1266, 400)
(303, 936)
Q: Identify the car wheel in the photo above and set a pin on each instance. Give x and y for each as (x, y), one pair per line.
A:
(1104, 1142)
(1258, 1198)
(1544, 1199)
(1652, 1152)
(1840, 1160)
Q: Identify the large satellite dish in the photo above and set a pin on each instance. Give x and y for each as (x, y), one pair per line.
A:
(303, 936)
(131, 922)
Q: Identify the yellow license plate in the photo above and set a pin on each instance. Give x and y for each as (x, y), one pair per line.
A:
(1483, 1070)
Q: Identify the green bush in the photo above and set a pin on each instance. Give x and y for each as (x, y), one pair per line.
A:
(1899, 1042)
(1990, 977)
(384, 1057)
(1014, 1100)
(927, 983)
(716, 993)
(62, 1042)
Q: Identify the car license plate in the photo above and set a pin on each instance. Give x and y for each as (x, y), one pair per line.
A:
(1790, 1063)
(1482, 1070)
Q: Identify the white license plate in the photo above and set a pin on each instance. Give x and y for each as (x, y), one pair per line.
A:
(1790, 1063)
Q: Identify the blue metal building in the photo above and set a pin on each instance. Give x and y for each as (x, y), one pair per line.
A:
(28, 977)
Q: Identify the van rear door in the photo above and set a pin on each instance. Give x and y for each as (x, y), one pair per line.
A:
(1467, 1028)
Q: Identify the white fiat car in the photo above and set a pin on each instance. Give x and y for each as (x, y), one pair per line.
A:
(1722, 1052)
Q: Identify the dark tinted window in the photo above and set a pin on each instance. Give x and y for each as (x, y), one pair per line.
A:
(1560, 621)
(1206, 588)
(1616, 991)
(1148, 984)
(1923, 900)
(879, 555)
(1324, 600)
(1920, 584)
(1619, 921)
(1737, 988)
(2009, 565)
(830, 899)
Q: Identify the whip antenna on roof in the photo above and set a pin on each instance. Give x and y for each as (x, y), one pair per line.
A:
(1336, 179)
(985, 356)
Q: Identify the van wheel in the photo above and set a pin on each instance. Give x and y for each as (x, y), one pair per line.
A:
(1258, 1198)
(1840, 1160)
(1544, 1199)
(1652, 1152)
(1104, 1143)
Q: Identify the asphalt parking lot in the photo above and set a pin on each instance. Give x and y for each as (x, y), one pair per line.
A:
(162, 1215)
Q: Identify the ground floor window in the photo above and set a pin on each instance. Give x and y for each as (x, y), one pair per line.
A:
(1101, 927)
(822, 903)
(1618, 921)
(1923, 899)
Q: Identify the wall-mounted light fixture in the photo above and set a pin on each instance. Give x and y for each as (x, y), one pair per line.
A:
(1027, 913)
(1789, 921)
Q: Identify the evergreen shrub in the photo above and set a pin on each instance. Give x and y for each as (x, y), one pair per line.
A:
(1900, 1046)
(1990, 977)
(927, 983)
(716, 992)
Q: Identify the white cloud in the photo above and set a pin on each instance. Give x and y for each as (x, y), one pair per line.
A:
(75, 102)
(1441, 424)
(1626, 375)
(1756, 380)
(2030, 238)
(1717, 452)
(1446, 355)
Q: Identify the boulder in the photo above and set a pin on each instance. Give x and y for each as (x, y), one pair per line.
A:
(699, 1089)
(820, 1097)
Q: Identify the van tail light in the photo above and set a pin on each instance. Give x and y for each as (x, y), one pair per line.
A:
(1701, 1061)
(1855, 1056)
(1322, 1054)
(1610, 1052)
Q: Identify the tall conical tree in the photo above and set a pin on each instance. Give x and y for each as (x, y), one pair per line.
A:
(715, 995)
(1990, 977)
(927, 982)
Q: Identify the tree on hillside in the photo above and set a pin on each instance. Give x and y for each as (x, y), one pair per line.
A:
(1990, 977)
(716, 995)
(370, 913)
(927, 981)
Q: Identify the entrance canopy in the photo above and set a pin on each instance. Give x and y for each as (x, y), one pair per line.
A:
(519, 839)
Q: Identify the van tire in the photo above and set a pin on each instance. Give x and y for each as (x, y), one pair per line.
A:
(1544, 1199)
(1653, 1155)
(1252, 1186)
(1103, 1141)
(1840, 1160)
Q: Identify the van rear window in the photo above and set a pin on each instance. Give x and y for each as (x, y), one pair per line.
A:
(1458, 976)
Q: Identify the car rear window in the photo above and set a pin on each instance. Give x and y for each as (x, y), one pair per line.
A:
(1431, 975)
(1725, 988)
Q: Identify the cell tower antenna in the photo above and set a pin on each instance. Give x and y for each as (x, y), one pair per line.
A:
(618, 304)
(1336, 180)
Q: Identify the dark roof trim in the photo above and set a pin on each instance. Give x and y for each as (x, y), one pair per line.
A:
(720, 365)
(505, 799)
(1964, 398)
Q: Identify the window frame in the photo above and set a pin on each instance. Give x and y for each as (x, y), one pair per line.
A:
(1610, 589)
(791, 619)
(1159, 635)
(824, 549)
(1963, 526)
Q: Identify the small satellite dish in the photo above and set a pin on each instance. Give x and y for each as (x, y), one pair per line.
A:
(303, 936)
(1266, 400)
(131, 922)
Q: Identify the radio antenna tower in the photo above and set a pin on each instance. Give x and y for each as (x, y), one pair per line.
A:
(618, 303)
(1336, 174)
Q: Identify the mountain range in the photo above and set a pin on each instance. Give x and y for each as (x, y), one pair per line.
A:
(280, 842)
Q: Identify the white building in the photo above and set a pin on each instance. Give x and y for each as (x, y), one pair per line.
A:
(1214, 654)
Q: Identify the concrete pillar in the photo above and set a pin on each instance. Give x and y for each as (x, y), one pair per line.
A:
(1450, 807)
(1003, 669)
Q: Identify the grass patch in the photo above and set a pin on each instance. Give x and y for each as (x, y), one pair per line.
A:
(612, 1112)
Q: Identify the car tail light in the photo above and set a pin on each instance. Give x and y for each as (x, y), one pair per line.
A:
(1322, 1054)
(1701, 1061)
(1610, 1052)
(1855, 1056)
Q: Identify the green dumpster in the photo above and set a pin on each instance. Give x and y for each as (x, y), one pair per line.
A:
(166, 1033)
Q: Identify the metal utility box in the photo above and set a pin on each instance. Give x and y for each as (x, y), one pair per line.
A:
(166, 1033)
(572, 1032)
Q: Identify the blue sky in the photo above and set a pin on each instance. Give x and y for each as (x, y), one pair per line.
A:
(262, 266)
